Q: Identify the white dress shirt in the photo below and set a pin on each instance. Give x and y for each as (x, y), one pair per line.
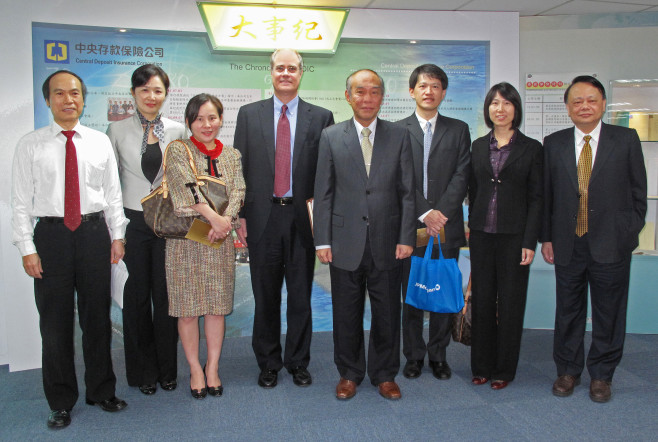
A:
(423, 126)
(38, 181)
(579, 136)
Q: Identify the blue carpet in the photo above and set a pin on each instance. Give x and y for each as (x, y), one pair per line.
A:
(429, 409)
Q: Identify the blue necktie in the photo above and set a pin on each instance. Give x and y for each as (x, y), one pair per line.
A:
(427, 143)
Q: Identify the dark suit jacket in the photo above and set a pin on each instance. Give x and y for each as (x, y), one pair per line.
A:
(447, 172)
(617, 197)
(520, 188)
(348, 202)
(254, 138)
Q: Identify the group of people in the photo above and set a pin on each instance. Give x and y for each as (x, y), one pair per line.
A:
(374, 183)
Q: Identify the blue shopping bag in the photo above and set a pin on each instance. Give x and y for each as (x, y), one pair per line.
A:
(435, 285)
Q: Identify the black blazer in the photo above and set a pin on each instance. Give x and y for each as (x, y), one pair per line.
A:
(448, 169)
(617, 195)
(254, 138)
(519, 189)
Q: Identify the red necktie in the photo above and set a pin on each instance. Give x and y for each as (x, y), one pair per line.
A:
(282, 155)
(72, 216)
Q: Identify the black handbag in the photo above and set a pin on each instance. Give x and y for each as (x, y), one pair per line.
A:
(461, 322)
(159, 210)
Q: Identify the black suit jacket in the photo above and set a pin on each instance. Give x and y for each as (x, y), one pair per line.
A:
(617, 196)
(254, 138)
(448, 169)
(520, 188)
(350, 205)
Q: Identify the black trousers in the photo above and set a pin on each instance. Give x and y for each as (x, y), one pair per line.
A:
(413, 344)
(348, 290)
(608, 287)
(281, 254)
(150, 334)
(74, 262)
(499, 287)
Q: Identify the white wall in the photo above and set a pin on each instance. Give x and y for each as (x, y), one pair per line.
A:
(20, 342)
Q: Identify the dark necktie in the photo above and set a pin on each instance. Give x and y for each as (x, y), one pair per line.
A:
(282, 155)
(584, 173)
(72, 215)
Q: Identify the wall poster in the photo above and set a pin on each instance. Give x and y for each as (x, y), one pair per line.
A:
(105, 58)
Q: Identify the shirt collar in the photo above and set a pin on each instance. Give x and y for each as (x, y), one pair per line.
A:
(493, 141)
(595, 134)
(292, 105)
(371, 126)
(423, 122)
(56, 129)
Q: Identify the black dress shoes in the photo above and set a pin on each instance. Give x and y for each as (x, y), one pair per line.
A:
(169, 385)
(300, 376)
(412, 369)
(59, 418)
(441, 370)
(268, 378)
(148, 389)
(113, 404)
(216, 391)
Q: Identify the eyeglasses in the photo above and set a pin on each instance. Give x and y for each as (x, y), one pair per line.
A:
(291, 69)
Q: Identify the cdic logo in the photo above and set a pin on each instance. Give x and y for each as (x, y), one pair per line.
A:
(56, 51)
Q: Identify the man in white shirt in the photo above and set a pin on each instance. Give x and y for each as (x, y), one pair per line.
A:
(595, 201)
(65, 179)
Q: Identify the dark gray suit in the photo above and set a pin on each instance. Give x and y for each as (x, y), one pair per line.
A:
(280, 239)
(448, 169)
(617, 205)
(363, 218)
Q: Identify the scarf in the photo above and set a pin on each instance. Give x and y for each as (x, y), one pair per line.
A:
(158, 129)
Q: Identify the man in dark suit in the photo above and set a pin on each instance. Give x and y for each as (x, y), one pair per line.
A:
(440, 148)
(278, 139)
(595, 201)
(364, 226)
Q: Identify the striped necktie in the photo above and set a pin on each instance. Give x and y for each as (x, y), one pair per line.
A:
(584, 174)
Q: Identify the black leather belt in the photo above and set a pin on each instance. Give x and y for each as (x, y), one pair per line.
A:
(285, 201)
(96, 216)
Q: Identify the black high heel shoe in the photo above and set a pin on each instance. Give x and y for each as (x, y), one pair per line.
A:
(213, 391)
(198, 394)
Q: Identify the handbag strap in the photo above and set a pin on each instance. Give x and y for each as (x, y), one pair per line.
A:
(165, 186)
(430, 246)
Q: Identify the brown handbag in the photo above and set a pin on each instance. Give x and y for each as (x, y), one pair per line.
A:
(158, 208)
(461, 325)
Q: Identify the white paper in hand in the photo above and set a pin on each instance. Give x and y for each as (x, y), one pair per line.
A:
(119, 278)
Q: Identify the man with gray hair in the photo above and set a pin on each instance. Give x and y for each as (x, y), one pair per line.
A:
(278, 139)
(364, 227)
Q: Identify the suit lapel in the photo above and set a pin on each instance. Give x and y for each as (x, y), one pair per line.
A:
(518, 150)
(603, 151)
(351, 140)
(417, 137)
(304, 118)
(379, 147)
(568, 156)
(266, 116)
(438, 133)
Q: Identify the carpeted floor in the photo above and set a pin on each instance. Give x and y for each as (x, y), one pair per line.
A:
(429, 409)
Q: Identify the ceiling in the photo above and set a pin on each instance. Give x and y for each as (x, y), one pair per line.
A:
(525, 8)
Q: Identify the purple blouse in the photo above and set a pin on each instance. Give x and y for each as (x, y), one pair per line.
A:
(497, 157)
